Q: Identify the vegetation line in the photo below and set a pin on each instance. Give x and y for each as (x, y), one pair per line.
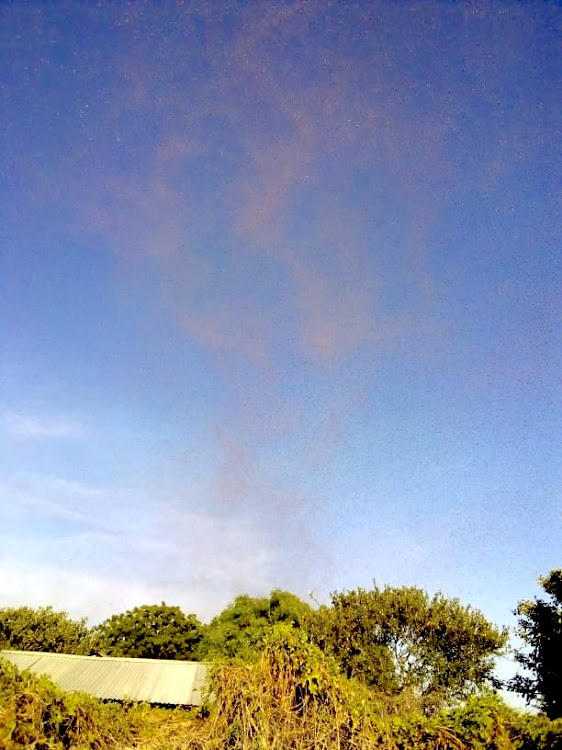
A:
(389, 668)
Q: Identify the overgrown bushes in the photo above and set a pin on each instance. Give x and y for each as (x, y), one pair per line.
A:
(294, 697)
(34, 713)
(485, 722)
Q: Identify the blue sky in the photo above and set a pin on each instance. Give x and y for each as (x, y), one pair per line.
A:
(280, 301)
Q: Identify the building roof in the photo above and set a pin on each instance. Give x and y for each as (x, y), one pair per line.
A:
(116, 678)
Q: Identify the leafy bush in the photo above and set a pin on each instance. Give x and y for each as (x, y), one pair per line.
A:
(34, 713)
(536, 732)
(485, 722)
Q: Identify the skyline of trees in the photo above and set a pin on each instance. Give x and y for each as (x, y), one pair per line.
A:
(398, 640)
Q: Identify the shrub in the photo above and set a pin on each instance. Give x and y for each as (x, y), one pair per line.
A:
(35, 713)
(485, 722)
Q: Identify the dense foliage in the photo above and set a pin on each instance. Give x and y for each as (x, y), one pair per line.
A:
(398, 640)
(401, 640)
(43, 629)
(239, 630)
(485, 722)
(293, 696)
(34, 713)
(540, 626)
(380, 669)
(152, 631)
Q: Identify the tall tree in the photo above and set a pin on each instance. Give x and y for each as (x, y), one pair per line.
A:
(540, 627)
(400, 639)
(238, 630)
(152, 631)
(41, 629)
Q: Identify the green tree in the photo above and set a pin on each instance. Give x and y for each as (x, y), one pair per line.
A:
(238, 631)
(540, 627)
(348, 631)
(400, 639)
(152, 631)
(41, 629)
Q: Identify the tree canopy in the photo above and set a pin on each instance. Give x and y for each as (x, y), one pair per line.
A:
(400, 639)
(155, 631)
(240, 628)
(41, 629)
(540, 627)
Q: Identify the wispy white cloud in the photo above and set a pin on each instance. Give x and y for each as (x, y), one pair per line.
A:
(56, 498)
(27, 425)
(97, 574)
(74, 488)
(95, 550)
(79, 592)
(20, 500)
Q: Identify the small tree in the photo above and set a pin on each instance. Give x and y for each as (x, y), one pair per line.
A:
(540, 626)
(151, 631)
(41, 629)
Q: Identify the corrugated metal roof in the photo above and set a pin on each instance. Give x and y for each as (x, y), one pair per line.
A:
(116, 678)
